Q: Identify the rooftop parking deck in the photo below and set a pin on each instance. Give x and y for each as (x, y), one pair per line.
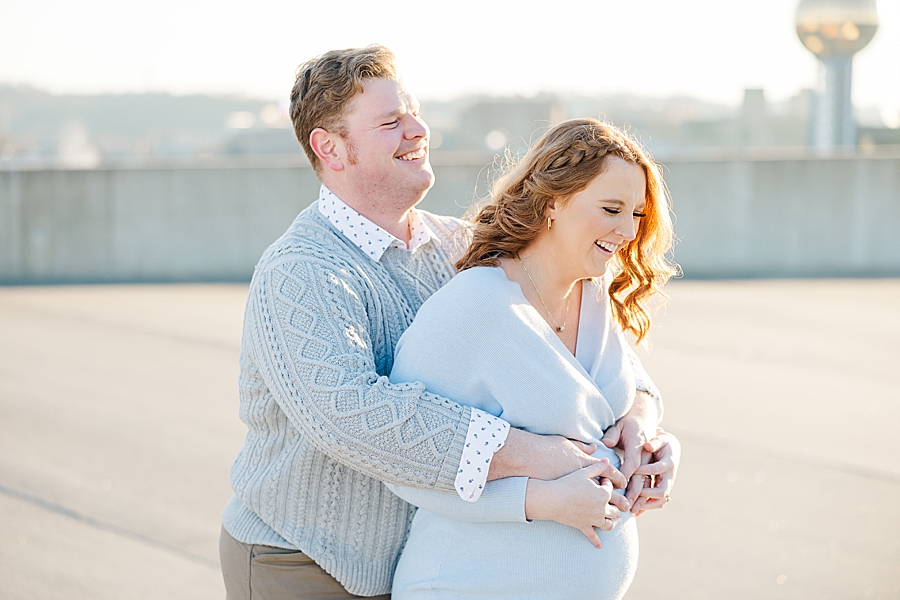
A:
(118, 424)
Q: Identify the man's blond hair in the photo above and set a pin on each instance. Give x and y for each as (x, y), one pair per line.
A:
(325, 84)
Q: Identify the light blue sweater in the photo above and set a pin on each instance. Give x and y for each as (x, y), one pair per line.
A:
(323, 421)
(479, 341)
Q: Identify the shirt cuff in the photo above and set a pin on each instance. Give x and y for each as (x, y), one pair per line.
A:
(485, 436)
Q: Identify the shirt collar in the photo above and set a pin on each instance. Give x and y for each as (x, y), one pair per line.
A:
(369, 237)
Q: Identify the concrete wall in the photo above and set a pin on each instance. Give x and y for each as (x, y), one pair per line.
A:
(735, 218)
(787, 218)
(143, 225)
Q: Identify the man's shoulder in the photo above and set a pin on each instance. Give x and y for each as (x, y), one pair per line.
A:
(309, 239)
(454, 233)
(442, 225)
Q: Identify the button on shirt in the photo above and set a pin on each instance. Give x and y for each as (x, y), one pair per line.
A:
(486, 433)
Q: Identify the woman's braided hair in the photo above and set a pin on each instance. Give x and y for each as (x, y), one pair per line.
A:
(562, 163)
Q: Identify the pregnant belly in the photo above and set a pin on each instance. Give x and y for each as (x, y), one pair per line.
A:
(445, 559)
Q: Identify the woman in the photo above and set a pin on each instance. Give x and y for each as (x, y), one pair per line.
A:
(563, 260)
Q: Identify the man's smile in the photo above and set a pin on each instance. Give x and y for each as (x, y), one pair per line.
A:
(416, 154)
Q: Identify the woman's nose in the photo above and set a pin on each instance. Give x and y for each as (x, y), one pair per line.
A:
(628, 228)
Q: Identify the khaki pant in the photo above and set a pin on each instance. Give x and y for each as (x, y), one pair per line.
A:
(257, 572)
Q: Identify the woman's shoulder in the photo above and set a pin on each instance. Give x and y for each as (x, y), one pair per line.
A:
(478, 290)
(478, 281)
(457, 319)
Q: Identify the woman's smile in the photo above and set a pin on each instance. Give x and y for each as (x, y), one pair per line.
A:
(604, 217)
(606, 247)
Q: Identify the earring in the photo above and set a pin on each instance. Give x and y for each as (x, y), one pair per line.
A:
(549, 223)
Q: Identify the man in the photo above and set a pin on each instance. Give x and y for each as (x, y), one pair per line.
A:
(328, 301)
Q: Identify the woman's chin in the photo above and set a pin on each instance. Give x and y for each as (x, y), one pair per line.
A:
(599, 270)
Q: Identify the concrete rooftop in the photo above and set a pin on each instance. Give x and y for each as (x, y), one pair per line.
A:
(118, 423)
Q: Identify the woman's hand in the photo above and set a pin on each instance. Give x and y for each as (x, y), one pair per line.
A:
(584, 499)
(657, 472)
(633, 431)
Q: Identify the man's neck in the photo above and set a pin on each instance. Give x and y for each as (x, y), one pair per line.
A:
(392, 214)
(395, 224)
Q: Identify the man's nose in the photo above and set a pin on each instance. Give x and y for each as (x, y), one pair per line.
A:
(415, 127)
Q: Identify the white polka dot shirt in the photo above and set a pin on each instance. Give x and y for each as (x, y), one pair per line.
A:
(371, 239)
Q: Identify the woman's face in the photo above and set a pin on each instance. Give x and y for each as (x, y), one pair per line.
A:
(595, 223)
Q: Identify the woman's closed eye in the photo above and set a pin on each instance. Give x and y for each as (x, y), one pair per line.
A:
(616, 211)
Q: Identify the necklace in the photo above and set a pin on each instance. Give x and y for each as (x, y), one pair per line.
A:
(559, 328)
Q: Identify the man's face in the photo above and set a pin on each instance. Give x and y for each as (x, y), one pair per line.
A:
(385, 143)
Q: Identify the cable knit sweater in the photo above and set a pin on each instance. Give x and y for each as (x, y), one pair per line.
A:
(324, 421)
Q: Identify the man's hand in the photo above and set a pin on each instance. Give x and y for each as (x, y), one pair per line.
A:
(540, 456)
(584, 499)
(632, 431)
(657, 473)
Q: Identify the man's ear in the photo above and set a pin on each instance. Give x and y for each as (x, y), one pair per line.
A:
(325, 147)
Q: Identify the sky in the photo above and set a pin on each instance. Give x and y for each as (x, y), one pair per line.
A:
(709, 49)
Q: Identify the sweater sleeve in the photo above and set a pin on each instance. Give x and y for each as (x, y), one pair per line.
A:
(501, 500)
(310, 336)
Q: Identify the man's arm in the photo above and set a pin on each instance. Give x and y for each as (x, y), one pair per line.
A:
(309, 336)
(309, 332)
(540, 456)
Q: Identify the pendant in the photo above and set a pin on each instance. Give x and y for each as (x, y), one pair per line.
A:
(560, 328)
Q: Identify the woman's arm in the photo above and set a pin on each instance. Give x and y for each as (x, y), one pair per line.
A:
(661, 458)
(501, 500)
(584, 499)
(636, 428)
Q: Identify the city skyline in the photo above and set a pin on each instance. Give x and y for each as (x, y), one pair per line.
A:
(650, 48)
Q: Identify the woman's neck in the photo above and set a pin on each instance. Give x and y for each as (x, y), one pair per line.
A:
(554, 296)
(547, 272)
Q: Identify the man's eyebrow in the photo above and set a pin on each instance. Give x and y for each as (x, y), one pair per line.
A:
(398, 112)
(394, 113)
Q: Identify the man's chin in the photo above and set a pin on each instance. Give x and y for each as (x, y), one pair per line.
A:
(426, 178)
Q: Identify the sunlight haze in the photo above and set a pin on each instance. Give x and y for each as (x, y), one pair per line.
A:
(703, 48)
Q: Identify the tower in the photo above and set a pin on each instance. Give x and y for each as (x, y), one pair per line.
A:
(835, 30)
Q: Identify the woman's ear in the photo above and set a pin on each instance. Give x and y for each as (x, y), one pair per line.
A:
(551, 209)
(325, 147)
